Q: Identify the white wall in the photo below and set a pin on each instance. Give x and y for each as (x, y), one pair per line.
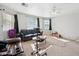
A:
(68, 25)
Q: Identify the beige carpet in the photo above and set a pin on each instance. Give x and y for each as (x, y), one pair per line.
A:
(60, 47)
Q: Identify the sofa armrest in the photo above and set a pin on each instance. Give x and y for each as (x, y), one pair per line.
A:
(21, 35)
(41, 32)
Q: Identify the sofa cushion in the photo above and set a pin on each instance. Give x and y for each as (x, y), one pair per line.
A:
(29, 35)
(35, 34)
(23, 32)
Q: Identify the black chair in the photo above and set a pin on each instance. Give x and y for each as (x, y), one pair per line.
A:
(3, 48)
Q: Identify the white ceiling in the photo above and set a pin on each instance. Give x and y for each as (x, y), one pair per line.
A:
(43, 9)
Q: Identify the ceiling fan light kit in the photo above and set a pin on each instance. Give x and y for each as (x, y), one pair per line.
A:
(24, 4)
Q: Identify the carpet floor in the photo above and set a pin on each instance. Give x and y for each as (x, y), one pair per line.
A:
(60, 47)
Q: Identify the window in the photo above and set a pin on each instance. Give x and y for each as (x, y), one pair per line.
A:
(46, 24)
(31, 22)
(1, 28)
(8, 21)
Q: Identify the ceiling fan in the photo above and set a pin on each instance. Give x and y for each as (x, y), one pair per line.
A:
(24, 4)
(55, 11)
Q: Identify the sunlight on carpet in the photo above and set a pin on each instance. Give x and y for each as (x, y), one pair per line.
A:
(63, 40)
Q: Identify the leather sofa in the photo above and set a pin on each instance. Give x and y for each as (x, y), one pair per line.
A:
(28, 34)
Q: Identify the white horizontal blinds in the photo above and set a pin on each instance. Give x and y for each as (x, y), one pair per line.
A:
(8, 21)
(31, 22)
(46, 24)
(1, 28)
(22, 21)
(53, 25)
(41, 23)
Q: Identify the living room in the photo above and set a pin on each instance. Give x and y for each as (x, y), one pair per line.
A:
(39, 29)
